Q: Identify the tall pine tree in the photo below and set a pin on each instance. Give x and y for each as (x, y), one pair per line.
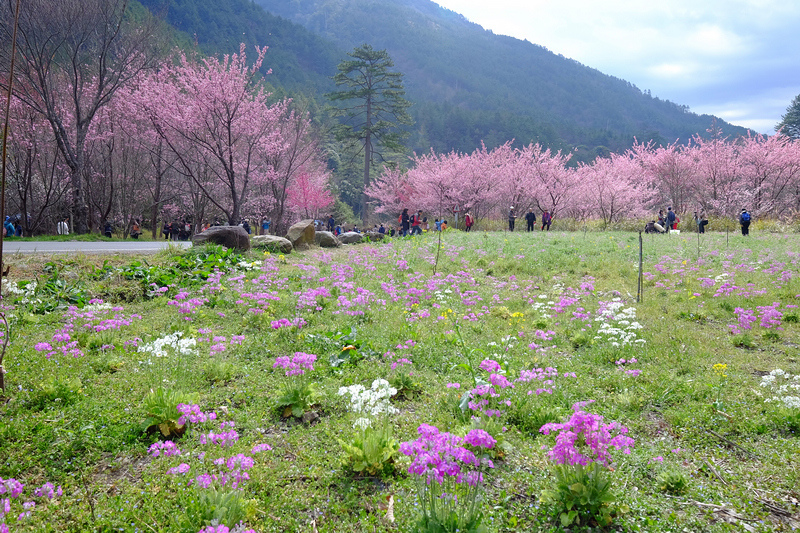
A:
(790, 122)
(373, 107)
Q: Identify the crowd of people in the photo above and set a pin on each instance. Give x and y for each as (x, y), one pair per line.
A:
(669, 221)
(407, 224)
(530, 219)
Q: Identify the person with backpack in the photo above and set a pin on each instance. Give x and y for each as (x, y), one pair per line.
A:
(701, 222)
(8, 227)
(671, 219)
(744, 222)
(468, 221)
(530, 218)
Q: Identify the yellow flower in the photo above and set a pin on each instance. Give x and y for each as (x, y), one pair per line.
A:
(348, 347)
(719, 369)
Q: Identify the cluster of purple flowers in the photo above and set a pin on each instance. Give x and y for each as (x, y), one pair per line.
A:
(180, 469)
(11, 488)
(235, 476)
(563, 304)
(768, 317)
(166, 449)
(621, 363)
(438, 456)
(218, 340)
(309, 299)
(185, 305)
(584, 439)
(192, 413)
(490, 365)
(228, 471)
(544, 335)
(545, 375)
(297, 322)
(400, 362)
(94, 320)
(485, 395)
(224, 529)
(297, 365)
(225, 438)
(728, 289)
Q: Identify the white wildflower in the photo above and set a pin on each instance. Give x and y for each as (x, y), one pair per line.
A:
(170, 344)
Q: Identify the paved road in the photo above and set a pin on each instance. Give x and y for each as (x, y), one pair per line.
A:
(11, 246)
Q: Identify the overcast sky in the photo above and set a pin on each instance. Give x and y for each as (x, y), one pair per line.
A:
(736, 59)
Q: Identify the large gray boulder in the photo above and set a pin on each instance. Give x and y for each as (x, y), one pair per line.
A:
(375, 236)
(234, 237)
(273, 243)
(301, 234)
(326, 239)
(350, 237)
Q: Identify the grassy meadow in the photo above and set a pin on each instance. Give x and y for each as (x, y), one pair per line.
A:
(700, 371)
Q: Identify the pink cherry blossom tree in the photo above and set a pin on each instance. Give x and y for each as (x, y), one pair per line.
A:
(771, 171)
(309, 196)
(609, 188)
(212, 111)
(74, 55)
(38, 180)
(297, 155)
(669, 174)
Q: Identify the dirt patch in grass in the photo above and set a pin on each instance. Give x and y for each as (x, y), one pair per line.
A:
(112, 471)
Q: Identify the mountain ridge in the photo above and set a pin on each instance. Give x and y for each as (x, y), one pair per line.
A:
(469, 85)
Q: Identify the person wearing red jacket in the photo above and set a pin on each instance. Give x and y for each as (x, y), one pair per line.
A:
(416, 220)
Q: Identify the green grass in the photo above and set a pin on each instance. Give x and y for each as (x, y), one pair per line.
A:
(76, 421)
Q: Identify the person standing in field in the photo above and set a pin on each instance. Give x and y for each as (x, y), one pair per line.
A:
(744, 222)
(547, 219)
(416, 220)
(63, 227)
(404, 222)
(530, 218)
(671, 219)
(701, 222)
(511, 218)
(468, 221)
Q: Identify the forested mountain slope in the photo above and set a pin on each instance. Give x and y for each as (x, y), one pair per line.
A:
(300, 60)
(449, 60)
